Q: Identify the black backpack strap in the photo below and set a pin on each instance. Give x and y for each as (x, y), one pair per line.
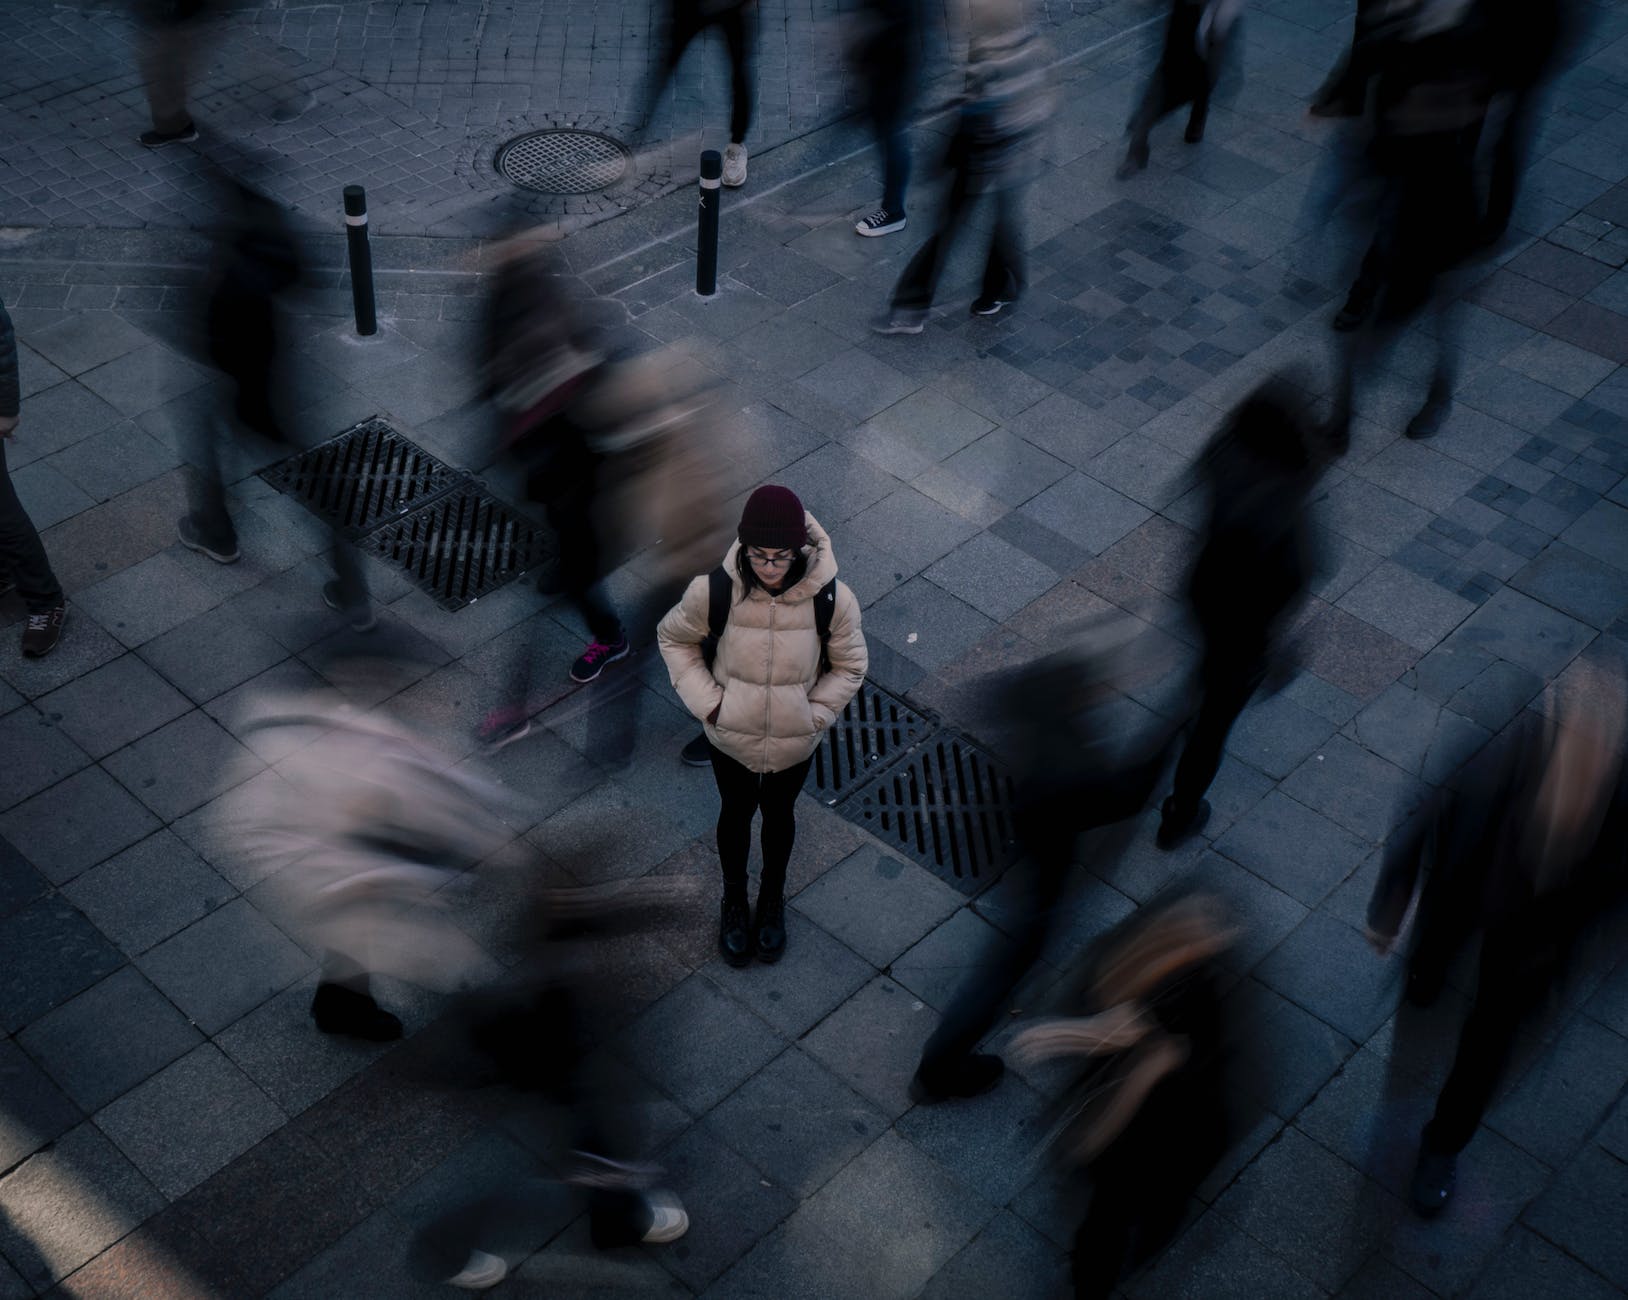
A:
(719, 589)
(825, 605)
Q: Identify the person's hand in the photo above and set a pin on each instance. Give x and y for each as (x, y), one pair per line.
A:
(8, 425)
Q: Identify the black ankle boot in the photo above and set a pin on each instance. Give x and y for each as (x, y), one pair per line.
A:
(341, 1010)
(770, 927)
(735, 932)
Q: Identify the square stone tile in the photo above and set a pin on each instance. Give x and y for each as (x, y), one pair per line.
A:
(210, 654)
(48, 953)
(1007, 1255)
(112, 705)
(992, 576)
(796, 1122)
(1144, 469)
(873, 1042)
(963, 949)
(20, 884)
(916, 433)
(993, 388)
(1070, 430)
(1420, 474)
(202, 1094)
(698, 1044)
(1006, 467)
(109, 1038)
(1559, 365)
(1367, 514)
(113, 461)
(1599, 330)
(913, 528)
(794, 996)
(1529, 1266)
(924, 624)
(1266, 914)
(1585, 1212)
(1561, 1100)
(239, 709)
(1601, 532)
(146, 893)
(143, 379)
(1311, 968)
(984, 1142)
(67, 1204)
(1406, 606)
(858, 384)
(1561, 269)
(36, 1110)
(146, 599)
(48, 496)
(1085, 512)
(86, 340)
(1282, 1054)
(1496, 694)
(1290, 846)
(1359, 790)
(877, 904)
(182, 765)
(61, 841)
(38, 755)
(217, 831)
(834, 484)
(1519, 629)
(1276, 734)
(1408, 729)
(58, 418)
(222, 967)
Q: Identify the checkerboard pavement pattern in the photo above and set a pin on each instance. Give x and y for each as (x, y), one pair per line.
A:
(988, 484)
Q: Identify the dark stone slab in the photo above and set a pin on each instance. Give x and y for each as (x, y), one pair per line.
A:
(698, 1045)
(1585, 1212)
(48, 953)
(36, 1110)
(225, 965)
(1312, 968)
(1288, 845)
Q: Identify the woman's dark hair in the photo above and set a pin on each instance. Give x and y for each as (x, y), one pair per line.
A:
(749, 580)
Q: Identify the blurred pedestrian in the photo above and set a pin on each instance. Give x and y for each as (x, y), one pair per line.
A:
(687, 19)
(173, 41)
(1251, 573)
(1077, 774)
(1344, 93)
(1195, 40)
(1525, 848)
(885, 55)
(1004, 106)
(259, 263)
(24, 565)
(1151, 1110)
(772, 687)
(1526, 39)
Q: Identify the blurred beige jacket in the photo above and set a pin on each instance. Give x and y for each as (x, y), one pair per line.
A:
(774, 703)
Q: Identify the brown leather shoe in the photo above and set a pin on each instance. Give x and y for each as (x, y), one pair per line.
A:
(42, 631)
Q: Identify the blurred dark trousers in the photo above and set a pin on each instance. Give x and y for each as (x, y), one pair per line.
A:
(689, 19)
(1228, 681)
(581, 564)
(1003, 268)
(171, 46)
(890, 118)
(743, 792)
(22, 555)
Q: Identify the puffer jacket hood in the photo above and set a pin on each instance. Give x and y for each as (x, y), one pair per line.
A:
(773, 701)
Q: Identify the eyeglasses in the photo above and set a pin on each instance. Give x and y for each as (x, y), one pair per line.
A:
(770, 561)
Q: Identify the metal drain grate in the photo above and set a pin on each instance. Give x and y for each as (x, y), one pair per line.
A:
(367, 475)
(874, 729)
(562, 161)
(946, 805)
(460, 547)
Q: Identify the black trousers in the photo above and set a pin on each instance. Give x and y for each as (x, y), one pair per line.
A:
(582, 563)
(742, 793)
(22, 554)
(890, 117)
(1230, 677)
(1003, 268)
(689, 20)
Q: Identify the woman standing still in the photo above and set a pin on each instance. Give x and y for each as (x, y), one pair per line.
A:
(767, 697)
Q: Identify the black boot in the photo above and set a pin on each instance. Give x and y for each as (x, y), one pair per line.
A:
(1433, 1179)
(341, 1010)
(971, 1076)
(735, 930)
(769, 926)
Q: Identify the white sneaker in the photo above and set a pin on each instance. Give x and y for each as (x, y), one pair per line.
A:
(668, 1221)
(735, 166)
(880, 222)
(901, 320)
(480, 1272)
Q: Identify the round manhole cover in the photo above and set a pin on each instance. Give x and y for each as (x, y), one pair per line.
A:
(563, 161)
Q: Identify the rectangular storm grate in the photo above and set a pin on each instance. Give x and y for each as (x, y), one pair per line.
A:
(366, 476)
(874, 728)
(946, 805)
(460, 546)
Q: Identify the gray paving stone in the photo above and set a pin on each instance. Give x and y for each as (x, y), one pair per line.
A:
(1406, 606)
(698, 1044)
(20, 884)
(1367, 514)
(39, 755)
(1007, 1257)
(58, 418)
(796, 1122)
(113, 461)
(924, 624)
(1313, 1209)
(1519, 629)
(834, 484)
(1214, 1259)
(992, 576)
(48, 953)
(372, 1250)
(110, 706)
(1601, 532)
(960, 950)
(61, 842)
(1496, 694)
(66, 1204)
(143, 379)
(794, 996)
(916, 433)
(86, 340)
(36, 1110)
(1070, 430)
(1290, 846)
(1087, 513)
(877, 904)
(1143, 469)
(1565, 1094)
(1530, 1268)
(146, 599)
(146, 893)
(1405, 728)
(222, 967)
(1359, 790)
(202, 1094)
(1584, 1211)
(984, 1142)
(216, 830)
(182, 765)
(1267, 914)
(210, 654)
(1276, 735)
(1006, 467)
(913, 528)
(1311, 968)
(858, 384)
(47, 495)
(873, 1042)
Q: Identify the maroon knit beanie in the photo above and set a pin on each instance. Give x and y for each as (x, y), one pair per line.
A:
(773, 519)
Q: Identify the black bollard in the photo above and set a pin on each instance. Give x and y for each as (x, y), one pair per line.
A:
(361, 260)
(706, 240)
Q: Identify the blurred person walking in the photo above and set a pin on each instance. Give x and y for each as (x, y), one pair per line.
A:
(24, 566)
(259, 262)
(772, 687)
(1195, 40)
(1526, 847)
(173, 41)
(687, 19)
(1004, 106)
(1251, 573)
(884, 57)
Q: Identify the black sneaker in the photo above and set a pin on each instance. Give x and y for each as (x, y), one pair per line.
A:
(591, 662)
(1433, 1181)
(361, 616)
(698, 753)
(990, 306)
(1429, 419)
(186, 528)
(43, 630)
(340, 1010)
(158, 139)
(880, 222)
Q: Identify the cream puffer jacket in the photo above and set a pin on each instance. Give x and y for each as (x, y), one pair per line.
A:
(773, 702)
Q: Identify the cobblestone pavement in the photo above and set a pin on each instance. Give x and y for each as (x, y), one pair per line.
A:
(170, 1124)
